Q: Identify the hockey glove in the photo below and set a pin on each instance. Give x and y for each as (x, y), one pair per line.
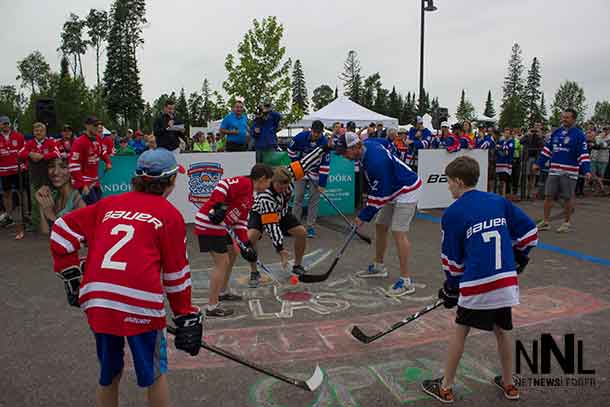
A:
(449, 296)
(217, 213)
(189, 330)
(521, 259)
(248, 253)
(71, 278)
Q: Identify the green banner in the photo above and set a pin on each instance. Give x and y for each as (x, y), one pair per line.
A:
(118, 179)
(276, 158)
(340, 187)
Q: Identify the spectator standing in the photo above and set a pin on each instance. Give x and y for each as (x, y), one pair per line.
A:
(337, 130)
(11, 142)
(138, 144)
(302, 144)
(485, 140)
(532, 145)
(168, 129)
(504, 161)
(83, 162)
(381, 132)
(235, 127)
(201, 144)
(567, 152)
(220, 142)
(446, 140)
(599, 157)
(369, 132)
(426, 134)
(211, 139)
(123, 148)
(108, 142)
(264, 130)
(468, 133)
(67, 138)
(37, 152)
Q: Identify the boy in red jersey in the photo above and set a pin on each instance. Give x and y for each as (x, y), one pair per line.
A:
(137, 250)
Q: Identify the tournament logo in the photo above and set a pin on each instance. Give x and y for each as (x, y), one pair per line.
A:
(203, 178)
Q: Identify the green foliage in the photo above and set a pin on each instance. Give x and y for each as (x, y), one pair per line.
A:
(489, 110)
(465, 110)
(513, 109)
(394, 104)
(322, 95)
(182, 109)
(299, 88)
(424, 105)
(533, 94)
(409, 110)
(12, 103)
(601, 112)
(352, 80)
(35, 72)
(369, 92)
(569, 95)
(259, 71)
(97, 29)
(73, 43)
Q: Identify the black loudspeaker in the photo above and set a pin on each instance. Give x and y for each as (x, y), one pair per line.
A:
(45, 112)
(438, 116)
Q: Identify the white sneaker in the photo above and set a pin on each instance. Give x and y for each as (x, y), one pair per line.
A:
(564, 228)
(373, 270)
(400, 288)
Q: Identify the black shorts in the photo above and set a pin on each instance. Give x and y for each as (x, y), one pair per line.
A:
(504, 177)
(216, 244)
(485, 319)
(287, 222)
(10, 182)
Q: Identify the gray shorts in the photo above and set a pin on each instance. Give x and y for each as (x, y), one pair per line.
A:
(397, 215)
(560, 186)
(530, 163)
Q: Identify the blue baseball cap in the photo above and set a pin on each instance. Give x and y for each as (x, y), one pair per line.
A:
(157, 163)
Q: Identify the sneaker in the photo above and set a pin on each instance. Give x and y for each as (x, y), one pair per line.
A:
(311, 232)
(7, 221)
(254, 280)
(230, 297)
(564, 228)
(298, 270)
(510, 391)
(435, 389)
(542, 225)
(401, 288)
(218, 312)
(373, 270)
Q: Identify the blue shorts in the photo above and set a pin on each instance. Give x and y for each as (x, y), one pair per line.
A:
(149, 352)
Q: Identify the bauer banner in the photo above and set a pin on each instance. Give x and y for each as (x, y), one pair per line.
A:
(203, 171)
(431, 169)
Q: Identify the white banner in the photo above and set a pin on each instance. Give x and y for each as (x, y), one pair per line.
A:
(431, 169)
(203, 171)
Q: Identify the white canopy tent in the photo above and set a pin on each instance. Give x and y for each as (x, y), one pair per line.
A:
(344, 110)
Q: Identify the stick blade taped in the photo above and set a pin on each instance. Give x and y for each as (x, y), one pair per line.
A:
(358, 334)
(316, 379)
(312, 278)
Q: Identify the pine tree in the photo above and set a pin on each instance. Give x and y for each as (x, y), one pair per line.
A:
(394, 103)
(73, 42)
(409, 111)
(533, 93)
(423, 105)
(97, 29)
(543, 112)
(122, 87)
(513, 109)
(465, 110)
(352, 81)
(299, 89)
(569, 95)
(182, 109)
(489, 110)
(381, 105)
(369, 92)
(601, 112)
(322, 95)
(196, 111)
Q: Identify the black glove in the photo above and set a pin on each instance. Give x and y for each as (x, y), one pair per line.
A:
(71, 278)
(449, 296)
(189, 332)
(217, 213)
(248, 253)
(521, 260)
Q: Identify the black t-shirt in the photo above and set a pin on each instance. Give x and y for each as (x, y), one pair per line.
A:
(168, 139)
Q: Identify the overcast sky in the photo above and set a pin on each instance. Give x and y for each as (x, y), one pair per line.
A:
(468, 42)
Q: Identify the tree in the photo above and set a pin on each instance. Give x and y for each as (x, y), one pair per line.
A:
(352, 81)
(394, 103)
(371, 84)
(12, 103)
(73, 102)
(182, 109)
(260, 70)
(299, 89)
(601, 113)
(219, 107)
(489, 110)
(465, 110)
(423, 104)
(122, 87)
(73, 43)
(381, 105)
(322, 95)
(513, 109)
(206, 102)
(35, 72)
(97, 29)
(147, 119)
(195, 107)
(409, 111)
(543, 113)
(532, 93)
(569, 95)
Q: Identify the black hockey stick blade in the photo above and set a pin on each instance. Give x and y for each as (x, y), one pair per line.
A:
(364, 338)
(311, 384)
(316, 278)
(364, 238)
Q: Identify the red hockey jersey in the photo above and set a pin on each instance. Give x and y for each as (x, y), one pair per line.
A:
(131, 237)
(47, 147)
(9, 152)
(238, 194)
(108, 145)
(64, 146)
(83, 161)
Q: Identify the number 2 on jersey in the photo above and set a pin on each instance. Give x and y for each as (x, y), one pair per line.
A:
(108, 263)
(494, 234)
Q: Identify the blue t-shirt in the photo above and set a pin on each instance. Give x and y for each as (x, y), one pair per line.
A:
(232, 122)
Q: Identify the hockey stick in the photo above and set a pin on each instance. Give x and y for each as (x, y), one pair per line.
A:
(364, 338)
(310, 384)
(259, 263)
(316, 278)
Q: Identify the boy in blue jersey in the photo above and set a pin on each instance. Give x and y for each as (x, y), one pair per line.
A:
(485, 243)
(393, 191)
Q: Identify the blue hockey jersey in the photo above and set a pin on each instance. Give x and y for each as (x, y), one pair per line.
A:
(479, 231)
(388, 179)
(486, 143)
(301, 145)
(567, 150)
(426, 136)
(504, 156)
(450, 142)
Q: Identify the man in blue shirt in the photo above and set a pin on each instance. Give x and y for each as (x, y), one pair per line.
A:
(264, 129)
(235, 127)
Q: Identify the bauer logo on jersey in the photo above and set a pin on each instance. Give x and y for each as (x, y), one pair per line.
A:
(203, 178)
